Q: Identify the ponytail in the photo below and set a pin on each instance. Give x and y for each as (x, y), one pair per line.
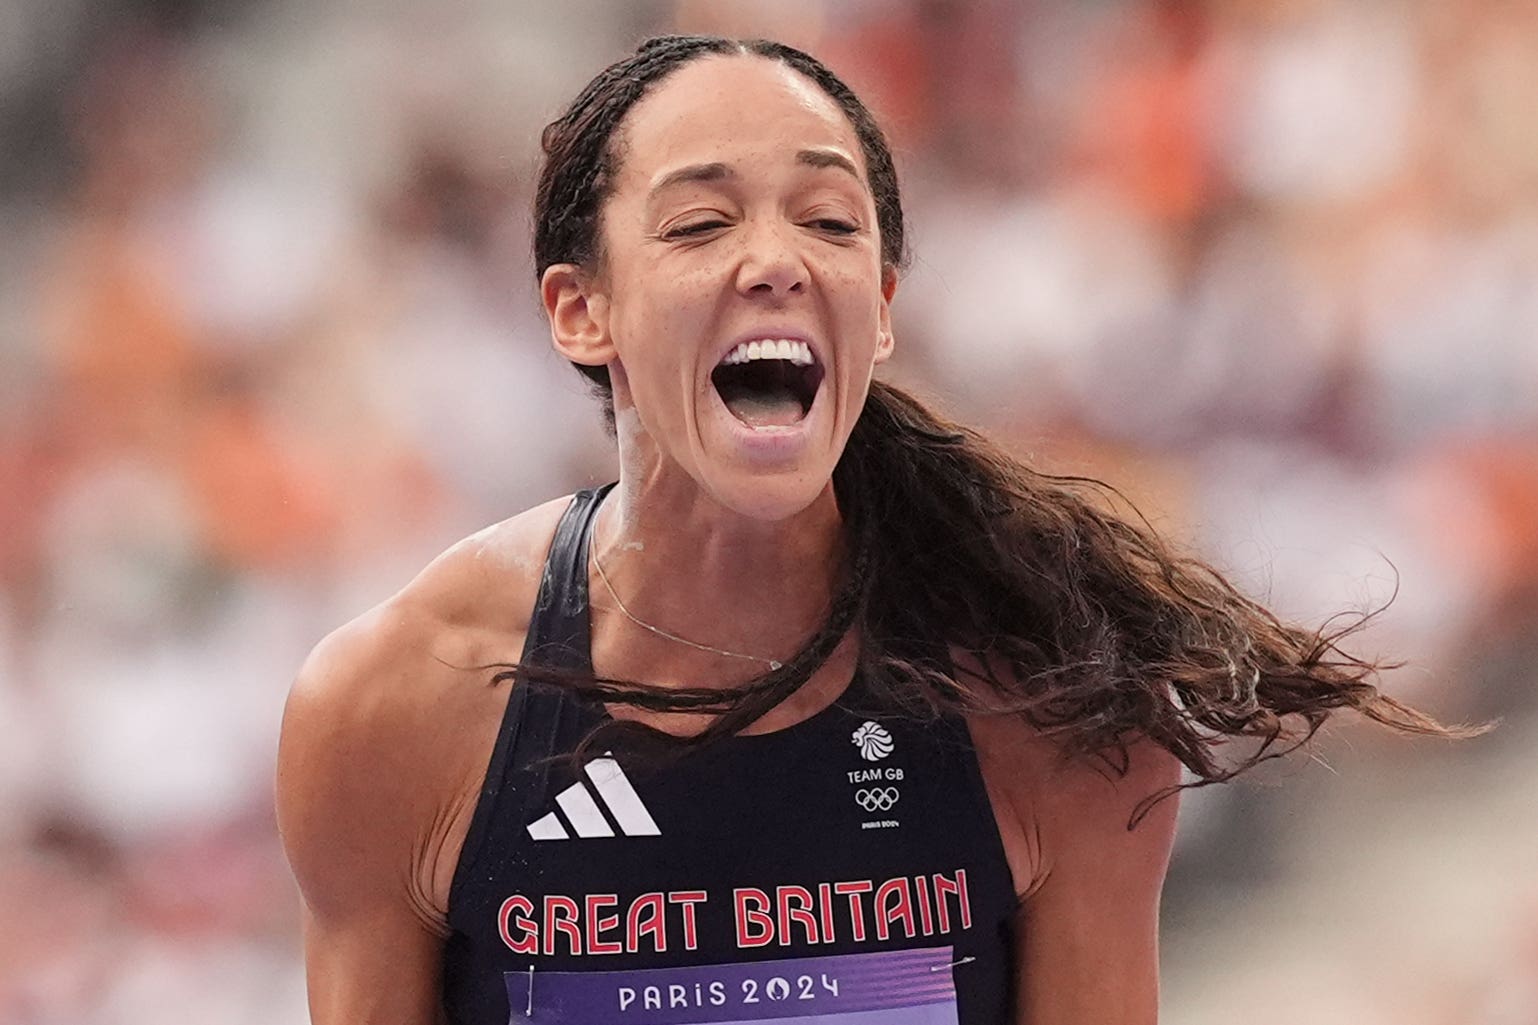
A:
(1078, 620)
(1083, 622)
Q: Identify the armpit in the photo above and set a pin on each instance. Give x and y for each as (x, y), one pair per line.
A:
(437, 856)
(1010, 779)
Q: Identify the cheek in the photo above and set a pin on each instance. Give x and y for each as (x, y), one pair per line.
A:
(669, 318)
(860, 307)
(655, 339)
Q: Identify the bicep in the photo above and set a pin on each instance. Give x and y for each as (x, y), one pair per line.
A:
(371, 966)
(1088, 953)
(349, 818)
(1087, 945)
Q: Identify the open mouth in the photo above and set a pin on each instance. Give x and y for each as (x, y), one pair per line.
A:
(768, 383)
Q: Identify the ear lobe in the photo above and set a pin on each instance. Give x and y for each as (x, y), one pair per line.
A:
(884, 345)
(578, 314)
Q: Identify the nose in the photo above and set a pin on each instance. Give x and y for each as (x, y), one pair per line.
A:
(771, 264)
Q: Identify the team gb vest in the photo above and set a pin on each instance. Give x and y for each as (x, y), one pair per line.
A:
(846, 870)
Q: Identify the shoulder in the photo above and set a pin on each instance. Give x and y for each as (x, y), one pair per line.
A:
(1063, 814)
(1086, 933)
(1087, 928)
(483, 588)
(389, 725)
(464, 611)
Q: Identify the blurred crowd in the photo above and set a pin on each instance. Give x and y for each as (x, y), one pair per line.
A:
(270, 340)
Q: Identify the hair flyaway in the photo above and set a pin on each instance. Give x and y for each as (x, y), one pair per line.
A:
(1077, 618)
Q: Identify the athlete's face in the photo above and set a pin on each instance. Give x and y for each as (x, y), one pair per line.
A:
(742, 303)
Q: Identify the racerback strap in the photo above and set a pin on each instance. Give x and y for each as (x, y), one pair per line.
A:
(539, 718)
(560, 632)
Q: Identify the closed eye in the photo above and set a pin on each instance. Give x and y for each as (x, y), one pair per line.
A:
(697, 228)
(835, 226)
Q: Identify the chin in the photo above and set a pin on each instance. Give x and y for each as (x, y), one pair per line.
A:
(768, 497)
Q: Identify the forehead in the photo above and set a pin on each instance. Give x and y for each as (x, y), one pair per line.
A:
(737, 110)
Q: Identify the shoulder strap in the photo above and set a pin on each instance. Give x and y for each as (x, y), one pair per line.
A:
(539, 718)
(560, 631)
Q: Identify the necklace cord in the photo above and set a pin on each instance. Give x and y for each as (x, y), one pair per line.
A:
(669, 635)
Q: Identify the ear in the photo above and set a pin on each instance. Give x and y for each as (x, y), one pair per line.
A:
(578, 313)
(884, 340)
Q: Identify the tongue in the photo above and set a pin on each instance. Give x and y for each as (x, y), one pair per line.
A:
(777, 408)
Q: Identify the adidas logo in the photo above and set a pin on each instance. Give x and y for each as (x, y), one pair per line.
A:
(584, 814)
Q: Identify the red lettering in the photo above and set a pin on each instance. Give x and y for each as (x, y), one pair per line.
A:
(747, 917)
(926, 913)
(825, 905)
(957, 888)
(598, 923)
(636, 926)
(889, 911)
(566, 923)
(856, 909)
(529, 942)
(688, 898)
(783, 896)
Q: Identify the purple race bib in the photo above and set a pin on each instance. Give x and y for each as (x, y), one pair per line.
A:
(899, 987)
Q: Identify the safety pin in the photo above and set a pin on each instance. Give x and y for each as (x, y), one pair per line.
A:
(937, 967)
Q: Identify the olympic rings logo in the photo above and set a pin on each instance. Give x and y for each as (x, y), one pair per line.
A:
(876, 798)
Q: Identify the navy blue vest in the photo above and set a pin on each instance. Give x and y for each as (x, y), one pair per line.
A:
(846, 869)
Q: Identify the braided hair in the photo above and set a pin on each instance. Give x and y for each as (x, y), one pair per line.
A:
(1083, 622)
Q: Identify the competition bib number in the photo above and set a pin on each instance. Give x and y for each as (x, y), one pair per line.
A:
(898, 987)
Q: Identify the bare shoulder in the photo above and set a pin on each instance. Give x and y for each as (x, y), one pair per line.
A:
(1053, 807)
(1087, 928)
(389, 725)
(466, 610)
(482, 589)
(1070, 792)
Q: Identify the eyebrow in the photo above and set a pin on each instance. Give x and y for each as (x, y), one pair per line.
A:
(829, 158)
(693, 173)
(714, 172)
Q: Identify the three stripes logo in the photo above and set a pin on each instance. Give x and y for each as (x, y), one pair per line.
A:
(581, 808)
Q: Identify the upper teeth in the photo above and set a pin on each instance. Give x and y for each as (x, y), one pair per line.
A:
(798, 353)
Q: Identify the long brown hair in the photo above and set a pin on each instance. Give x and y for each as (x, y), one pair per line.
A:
(1079, 619)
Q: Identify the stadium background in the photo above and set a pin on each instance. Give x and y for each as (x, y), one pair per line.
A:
(269, 339)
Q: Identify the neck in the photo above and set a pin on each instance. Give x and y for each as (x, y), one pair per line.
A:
(683, 563)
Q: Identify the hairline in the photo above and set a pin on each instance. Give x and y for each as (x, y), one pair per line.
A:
(614, 148)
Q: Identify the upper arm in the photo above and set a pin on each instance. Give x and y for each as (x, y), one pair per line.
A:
(1086, 934)
(386, 737)
(351, 808)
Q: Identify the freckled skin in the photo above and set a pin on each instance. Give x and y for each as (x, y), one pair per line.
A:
(706, 538)
(670, 304)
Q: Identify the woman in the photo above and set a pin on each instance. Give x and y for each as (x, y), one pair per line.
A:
(830, 708)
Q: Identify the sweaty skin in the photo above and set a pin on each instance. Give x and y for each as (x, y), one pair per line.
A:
(389, 727)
